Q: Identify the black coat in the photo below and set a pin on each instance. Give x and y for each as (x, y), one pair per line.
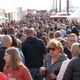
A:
(73, 70)
(33, 50)
(2, 61)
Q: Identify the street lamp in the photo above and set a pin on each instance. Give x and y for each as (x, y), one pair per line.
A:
(67, 7)
(59, 5)
(56, 6)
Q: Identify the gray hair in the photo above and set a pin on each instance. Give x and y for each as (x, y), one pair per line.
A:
(29, 31)
(75, 49)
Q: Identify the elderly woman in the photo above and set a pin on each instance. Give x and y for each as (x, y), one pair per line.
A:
(74, 52)
(53, 60)
(73, 68)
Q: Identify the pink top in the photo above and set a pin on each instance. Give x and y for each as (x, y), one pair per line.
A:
(2, 76)
(21, 73)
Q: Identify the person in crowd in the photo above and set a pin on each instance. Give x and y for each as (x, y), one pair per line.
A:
(73, 68)
(57, 34)
(51, 34)
(6, 42)
(39, 34)
(11, 31)
(72, 38)
(21, 36)
(2, 76)
(63, 32)
(75, 31)
(15, 44)
(5, 31)
(34, 50)
(1, 39)
(0, 30)
(74, 49)
(8, 25)
(45, 40)
(53, 60)
(63, 41)
(14, 68)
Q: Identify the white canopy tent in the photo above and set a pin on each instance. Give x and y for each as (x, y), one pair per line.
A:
(5, 18)
(59, 15)
(75, 15)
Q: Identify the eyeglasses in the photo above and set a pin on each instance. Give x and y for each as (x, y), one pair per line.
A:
(53, 49)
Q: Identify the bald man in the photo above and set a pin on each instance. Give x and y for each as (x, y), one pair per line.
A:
(6, 42)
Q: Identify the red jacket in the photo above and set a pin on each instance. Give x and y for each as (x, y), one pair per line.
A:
(21, 73)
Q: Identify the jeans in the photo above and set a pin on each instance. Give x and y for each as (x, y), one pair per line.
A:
(35, 74)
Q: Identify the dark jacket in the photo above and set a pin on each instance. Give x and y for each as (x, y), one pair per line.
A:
(33, 50)
(67, 52)
(73, 70)
(2, 61)
(55, 67)
(75, 31)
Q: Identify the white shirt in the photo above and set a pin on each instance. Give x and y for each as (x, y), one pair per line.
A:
(63, 69)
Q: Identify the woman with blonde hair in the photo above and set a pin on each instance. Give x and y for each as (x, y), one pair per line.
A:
(53, 60)
(14, 68)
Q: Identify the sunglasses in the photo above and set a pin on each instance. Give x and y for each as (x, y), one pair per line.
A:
(53, 49)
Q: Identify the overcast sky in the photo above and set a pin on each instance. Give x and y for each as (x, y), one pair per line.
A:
(32, 4)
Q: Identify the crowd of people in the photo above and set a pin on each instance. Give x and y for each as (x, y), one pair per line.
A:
(40, 48)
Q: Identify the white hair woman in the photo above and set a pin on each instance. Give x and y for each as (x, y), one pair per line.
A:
(75, 52)
(73, 68)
